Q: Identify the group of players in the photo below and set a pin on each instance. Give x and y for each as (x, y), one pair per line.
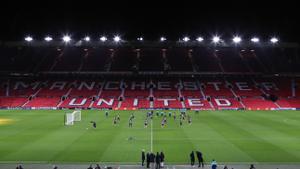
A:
(149, 116)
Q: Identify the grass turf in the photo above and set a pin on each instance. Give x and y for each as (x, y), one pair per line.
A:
(227, 136)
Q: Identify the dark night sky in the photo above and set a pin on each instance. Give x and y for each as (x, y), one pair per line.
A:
(149, 18)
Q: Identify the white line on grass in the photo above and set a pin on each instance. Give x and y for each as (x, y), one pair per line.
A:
(151, 136)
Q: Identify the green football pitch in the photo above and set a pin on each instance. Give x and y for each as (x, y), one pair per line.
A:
(227, 136)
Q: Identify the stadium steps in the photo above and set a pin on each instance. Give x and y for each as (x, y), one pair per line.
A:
(151, 104)
(277, 105)
(211, 105)
(60, 103)
(241, 102)
(201, 91)
(68, 93)
(25, 103)
(183, 105)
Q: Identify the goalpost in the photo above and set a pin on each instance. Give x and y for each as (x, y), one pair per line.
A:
(70, 118)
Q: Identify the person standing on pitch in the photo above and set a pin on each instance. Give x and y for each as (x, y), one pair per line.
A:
(200, 159)
(162, 159)
(157, 160)
(130, 122)
(152, 160)
(143, 157)
(192, 157)
(148, 159)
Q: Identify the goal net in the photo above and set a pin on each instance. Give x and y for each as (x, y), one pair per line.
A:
(70, 118)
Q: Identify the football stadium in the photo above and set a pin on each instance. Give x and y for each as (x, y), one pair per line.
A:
(170, 100)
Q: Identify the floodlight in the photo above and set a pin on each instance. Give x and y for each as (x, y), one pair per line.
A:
(237, 39)
(216, 39)
(28, 38)
(199, 39)
(87, 38)
(163, 39)
(255, 40)
(48, 38)
(274, 40)
(186, 39)
(66, 38)
(103, 38)
(117, 38)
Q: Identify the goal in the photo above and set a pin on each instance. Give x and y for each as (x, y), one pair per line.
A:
(70, 118)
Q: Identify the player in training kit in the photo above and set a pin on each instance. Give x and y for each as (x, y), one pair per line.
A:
(165, 120)
(106, 114)
(132, 116)
(146, 123)
(118, 118)
(189, 119)
(94, 124)
(115, 120)
(180, 122)
(130, 122)
(162, 123)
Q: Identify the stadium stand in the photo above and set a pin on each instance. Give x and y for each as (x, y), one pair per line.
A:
(143, 78)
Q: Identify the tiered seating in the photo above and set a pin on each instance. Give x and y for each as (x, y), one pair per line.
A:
(105, 103)
(110, 93)
(128, 104)
(223, 104)
(151, 60)
(289, 103)
(165, 93)
(137, 93)
(199, 103)
(220, 90)
(179, 60)
(48, 59)
(258, 104)
(123, 60)
(45, 102)
(76, 103)
(245, 88)
(174, 103)
(280, 87)
(231, 61)
(12, 101)
(251, 59)
(52, 92)
(191, 93)
(96, 60)
(49, 94)
(21, 59)
(70, 60)
(205, 60)
(274, 59)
